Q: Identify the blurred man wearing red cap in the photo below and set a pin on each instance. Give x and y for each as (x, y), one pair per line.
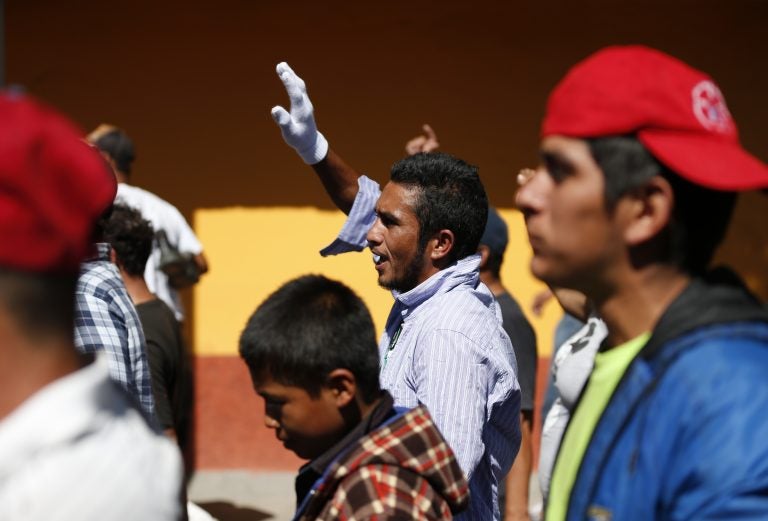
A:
(640, 167)
(72, 443)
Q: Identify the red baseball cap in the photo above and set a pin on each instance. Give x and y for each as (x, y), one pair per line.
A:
(677, 112)
(53, 187)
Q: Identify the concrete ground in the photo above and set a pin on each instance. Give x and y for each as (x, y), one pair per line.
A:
(242, 495)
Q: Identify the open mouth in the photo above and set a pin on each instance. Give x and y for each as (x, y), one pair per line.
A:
(378, 259)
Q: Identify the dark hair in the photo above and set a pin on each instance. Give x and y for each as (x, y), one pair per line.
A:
(41, 305)
(306, 329)
(450, 196)
(117, 145)
(700, 215)
(131, 236)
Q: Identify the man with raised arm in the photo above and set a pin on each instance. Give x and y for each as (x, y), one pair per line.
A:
(443, 345)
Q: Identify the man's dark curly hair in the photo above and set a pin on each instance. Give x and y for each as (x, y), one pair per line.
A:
(450, 196)
(131, 236)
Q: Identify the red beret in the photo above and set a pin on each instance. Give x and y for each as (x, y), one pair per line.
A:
(676, 111)
(53, 187)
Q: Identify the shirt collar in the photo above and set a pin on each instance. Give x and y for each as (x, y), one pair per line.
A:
(465, 270)
(310, 472)
(101, 252)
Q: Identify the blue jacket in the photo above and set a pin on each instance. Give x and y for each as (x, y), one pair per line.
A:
(685, 434)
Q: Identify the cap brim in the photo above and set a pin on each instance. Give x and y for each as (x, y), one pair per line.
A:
(716, 164)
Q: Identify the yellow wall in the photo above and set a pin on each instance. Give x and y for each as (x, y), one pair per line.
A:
(252, 251)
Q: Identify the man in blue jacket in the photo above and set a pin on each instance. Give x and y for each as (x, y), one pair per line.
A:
(640, 167)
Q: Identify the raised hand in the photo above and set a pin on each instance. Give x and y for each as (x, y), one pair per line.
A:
(427, 142)
(298, 126)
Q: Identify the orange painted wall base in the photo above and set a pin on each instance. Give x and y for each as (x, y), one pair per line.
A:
(229, 420)
(230, 431)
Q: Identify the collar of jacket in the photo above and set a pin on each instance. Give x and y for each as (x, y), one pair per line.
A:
(717, 297)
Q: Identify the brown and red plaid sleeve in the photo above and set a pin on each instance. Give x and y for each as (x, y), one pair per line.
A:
(402, 471)
(379, 492)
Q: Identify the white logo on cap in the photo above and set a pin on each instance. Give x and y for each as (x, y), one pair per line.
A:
(709, 107)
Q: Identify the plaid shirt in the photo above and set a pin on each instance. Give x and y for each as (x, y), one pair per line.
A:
(403, 469)
(105, 320)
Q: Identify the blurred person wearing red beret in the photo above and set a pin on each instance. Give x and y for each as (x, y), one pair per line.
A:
(73, 443)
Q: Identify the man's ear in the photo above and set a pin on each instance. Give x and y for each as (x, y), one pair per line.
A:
(343, 386)
(648, 211)
(441, 244)
(484, 252)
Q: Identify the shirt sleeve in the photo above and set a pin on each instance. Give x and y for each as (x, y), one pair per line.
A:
(386, 492)
(97, 328)
(360, 219)
(180, 232)
(160, 372)
(124, 314)
(453, 384)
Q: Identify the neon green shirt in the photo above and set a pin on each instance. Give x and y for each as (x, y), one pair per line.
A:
(609, 368)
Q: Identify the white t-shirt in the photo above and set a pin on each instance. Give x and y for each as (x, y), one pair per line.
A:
(571, 368)
(163, 216)
(78, 449)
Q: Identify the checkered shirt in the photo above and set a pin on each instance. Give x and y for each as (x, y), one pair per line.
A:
(402, 470)
(105, 320)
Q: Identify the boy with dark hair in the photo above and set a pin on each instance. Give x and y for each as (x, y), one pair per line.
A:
(640, 165)
(311, 351)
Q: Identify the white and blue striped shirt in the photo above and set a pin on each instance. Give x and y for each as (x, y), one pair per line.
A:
(452, 355)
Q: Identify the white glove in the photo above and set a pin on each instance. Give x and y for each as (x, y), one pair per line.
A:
(298, 127)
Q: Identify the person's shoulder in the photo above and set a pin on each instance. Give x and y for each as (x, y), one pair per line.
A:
(156, 309)
(159, 323)
(130, 193)
(724, 350)
(105, 458)
(510, 306)
(467, 312)
(142, 459)
(463, 301)
(720, 372)
(89, 481)
(99, 278)
(143, 199)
